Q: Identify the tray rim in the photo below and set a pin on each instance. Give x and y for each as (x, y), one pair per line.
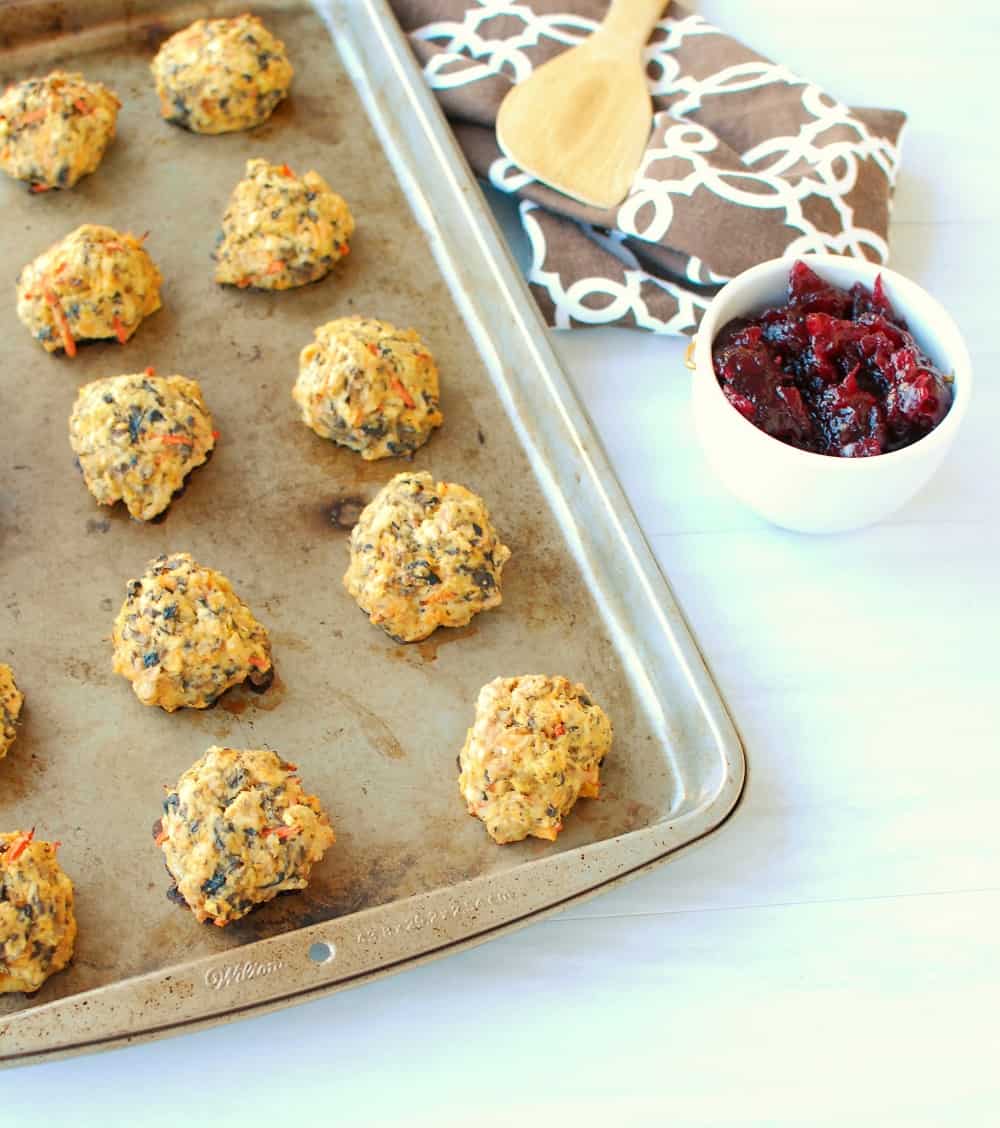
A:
(361, 29)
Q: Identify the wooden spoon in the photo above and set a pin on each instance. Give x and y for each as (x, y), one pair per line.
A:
(581, 121)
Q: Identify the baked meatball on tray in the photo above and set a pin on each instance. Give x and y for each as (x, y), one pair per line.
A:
(277, 758)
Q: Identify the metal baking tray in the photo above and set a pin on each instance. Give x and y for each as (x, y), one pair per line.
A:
(374, 726)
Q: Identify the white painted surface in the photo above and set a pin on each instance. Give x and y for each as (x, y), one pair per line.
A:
(831, 956)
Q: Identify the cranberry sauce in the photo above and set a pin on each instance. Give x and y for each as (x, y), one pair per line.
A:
(834, 371)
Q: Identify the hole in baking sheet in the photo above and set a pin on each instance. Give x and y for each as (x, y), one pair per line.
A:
(321, 953)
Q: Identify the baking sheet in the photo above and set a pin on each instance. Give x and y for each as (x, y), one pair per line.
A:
(374, 726)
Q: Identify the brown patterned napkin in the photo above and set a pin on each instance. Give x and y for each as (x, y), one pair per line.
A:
(746, 161)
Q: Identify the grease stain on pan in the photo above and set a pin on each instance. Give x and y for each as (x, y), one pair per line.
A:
(216, 722)
(423, 653)
(79, 669)
(312, 114)
(375, 471)
(234, 706)
(339, 513)
(373, 728)
(236, 701)
(21, 774)
(428, 649)
(285, 640)
(344, 512)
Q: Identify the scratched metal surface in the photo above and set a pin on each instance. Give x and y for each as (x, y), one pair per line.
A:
(374, 726)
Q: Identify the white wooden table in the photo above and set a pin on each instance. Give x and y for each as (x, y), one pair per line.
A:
(830, 956)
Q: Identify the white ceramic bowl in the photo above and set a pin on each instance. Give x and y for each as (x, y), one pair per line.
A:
(817, 493)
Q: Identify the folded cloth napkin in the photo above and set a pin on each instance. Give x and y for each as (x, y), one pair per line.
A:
(746, 161)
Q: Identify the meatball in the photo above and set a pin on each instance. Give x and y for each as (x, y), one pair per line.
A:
(281, 230)
(137, 438)
(216, 76)
(11, 700)
(95, 283)
(535, 747)
(37, 925)
(424, 555)
(369, 386)
(183, 636)
(55, 129)
(237, 830)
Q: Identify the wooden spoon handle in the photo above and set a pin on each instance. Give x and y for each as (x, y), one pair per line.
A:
(632, 20)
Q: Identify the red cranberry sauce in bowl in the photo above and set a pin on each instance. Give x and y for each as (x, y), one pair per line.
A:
(834, 371)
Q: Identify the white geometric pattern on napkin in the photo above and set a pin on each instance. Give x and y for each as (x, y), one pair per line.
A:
(576, 303)
(782, 174)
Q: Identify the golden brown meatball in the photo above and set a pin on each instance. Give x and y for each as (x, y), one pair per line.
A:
(237, 830)
(219, 75)
(54, 130)
(95, 283)
(137, 437)
(281, 230)
(535, 747)
(183, 636)
(37, 925)
(424, 555)
(369, 386)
